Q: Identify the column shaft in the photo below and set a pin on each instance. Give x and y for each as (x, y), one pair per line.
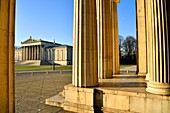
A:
(35, 52)
(22, 54)
(105, 39)
(115, 41)
(26, 52)
(148, 37)
(7, 25)
(40, 52)
(159, 82)
(11, 57)
(29, 52)
(32, 52)
(85, 70)
(141, 38)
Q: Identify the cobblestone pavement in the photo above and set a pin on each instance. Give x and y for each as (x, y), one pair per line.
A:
(32, 90)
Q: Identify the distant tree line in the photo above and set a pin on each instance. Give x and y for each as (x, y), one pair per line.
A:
(127, 48)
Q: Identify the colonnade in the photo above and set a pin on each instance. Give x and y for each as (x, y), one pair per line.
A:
(93, 55)
(85, 49)
(32, 52)
(96, 47)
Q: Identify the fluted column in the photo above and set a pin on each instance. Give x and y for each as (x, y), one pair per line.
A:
(85, 61)
(26, 53)
(22, 53)
(32, 52)
(38, 52)
(116, 59)
(108, 44)
(7, 34)
(141, 38)
(105, 39)
(159, 82)
(29, 52)
(148, 37)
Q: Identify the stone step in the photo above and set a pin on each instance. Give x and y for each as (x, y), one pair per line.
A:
(57, 100)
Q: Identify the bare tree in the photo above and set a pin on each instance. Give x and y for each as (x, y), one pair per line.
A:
(129, 45)
(121, 40)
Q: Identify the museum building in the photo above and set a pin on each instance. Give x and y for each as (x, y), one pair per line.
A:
(40, 52)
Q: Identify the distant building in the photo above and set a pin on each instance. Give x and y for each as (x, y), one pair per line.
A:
(40, 52)
(18, 54)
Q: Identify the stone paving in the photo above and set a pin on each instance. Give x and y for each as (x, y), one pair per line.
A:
(32, 90)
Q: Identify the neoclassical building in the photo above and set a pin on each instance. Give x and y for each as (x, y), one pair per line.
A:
(40, 52)
(96, 59)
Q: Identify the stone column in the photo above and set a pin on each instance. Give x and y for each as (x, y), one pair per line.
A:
(43, 55)
(24, 53)
(11, 57)
(37, 52)
(32, 53)
(29, 52)
(159, 82)
(148, 37)
(116, 59)
(40, 52)
(141, 38)
(7, 27)
(85, 61)
(108, 38)
(105, 39)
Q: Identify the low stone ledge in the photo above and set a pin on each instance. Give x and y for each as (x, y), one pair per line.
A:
(57, 100)
(112, 99)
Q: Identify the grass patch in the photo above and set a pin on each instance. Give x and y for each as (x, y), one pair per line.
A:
(41, 68)
(122, 65)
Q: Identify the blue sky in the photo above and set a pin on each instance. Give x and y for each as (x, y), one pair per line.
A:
(53, 19)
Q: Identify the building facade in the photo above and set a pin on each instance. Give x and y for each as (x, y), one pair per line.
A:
(43, 53)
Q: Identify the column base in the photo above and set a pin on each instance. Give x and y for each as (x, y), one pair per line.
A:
(147, 77)
(140, 73)
(158, 88)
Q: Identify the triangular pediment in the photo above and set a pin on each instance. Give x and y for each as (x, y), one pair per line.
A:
(30, 40)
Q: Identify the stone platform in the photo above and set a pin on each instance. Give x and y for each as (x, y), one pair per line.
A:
(121, 94)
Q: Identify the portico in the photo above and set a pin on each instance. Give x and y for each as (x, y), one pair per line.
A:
(93, 51)
(31, 52)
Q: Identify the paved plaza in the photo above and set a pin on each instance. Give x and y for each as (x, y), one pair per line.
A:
(32, 90)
